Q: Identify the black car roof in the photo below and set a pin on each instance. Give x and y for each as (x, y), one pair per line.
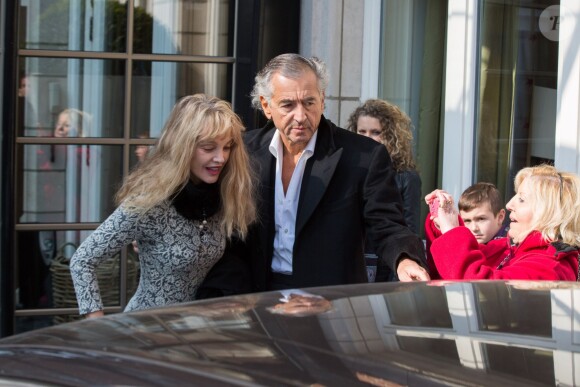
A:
(435, 333)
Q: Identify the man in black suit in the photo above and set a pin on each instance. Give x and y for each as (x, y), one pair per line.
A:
(321, 190)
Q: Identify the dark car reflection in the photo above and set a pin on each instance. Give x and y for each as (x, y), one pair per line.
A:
(437, 333)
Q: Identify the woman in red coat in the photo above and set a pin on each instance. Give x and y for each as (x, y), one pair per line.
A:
(542, 241)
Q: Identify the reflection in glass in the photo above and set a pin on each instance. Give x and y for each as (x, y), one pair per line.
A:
(328, 349)
(27, 122)
(75, 25)
(138, 154)
(94, 87)
(536, 366)
(430, 348)
(67, 183)
(420, 307)
(154, 95)
(507, 309)
(183, 27)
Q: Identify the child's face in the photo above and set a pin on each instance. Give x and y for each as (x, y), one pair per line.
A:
(482, 223)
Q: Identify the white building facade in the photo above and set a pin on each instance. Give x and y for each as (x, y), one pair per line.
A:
(506, 75)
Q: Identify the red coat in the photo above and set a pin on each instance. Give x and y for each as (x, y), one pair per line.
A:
(457, 255)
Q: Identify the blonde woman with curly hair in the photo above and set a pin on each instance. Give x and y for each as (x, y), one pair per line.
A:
(388, 124)
(180, 205)
(543, 238)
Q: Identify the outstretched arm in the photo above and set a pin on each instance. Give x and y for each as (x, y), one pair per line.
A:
(108, 239)
(386, 228)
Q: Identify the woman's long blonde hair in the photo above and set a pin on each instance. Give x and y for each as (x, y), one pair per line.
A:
(166, 171)
(556, 201)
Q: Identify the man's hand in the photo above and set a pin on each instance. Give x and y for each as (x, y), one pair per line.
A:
(409, 270)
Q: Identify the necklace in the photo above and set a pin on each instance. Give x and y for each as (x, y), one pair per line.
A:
(203, 223)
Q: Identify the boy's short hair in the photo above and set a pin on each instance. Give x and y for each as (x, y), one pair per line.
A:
(478, 194)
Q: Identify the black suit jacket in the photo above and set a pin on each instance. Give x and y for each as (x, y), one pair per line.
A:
(348, 193)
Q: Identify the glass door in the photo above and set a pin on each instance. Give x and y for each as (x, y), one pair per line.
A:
(516, 120)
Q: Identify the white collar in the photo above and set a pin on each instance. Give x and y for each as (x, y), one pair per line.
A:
(276, 144)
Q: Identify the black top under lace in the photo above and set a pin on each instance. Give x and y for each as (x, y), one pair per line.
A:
(198, 201)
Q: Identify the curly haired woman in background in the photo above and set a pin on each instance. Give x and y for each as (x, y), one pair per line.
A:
(389, 125)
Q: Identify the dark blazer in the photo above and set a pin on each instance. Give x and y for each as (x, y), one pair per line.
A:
(348, 192)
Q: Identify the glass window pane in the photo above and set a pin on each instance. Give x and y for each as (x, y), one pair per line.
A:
(411, 76)
(518, 80)
(73, 25)
(421, 307)
(507, 309)
(160, 85)
(440, 349)
(67, 183)
(29, 323)
(183, 27)
(531, 365)
(89, 91)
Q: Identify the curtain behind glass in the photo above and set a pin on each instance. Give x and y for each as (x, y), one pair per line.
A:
(518, 77)
(412, 63)
(429, 133)
(498, 61)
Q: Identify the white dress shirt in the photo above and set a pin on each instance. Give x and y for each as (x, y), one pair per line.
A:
(286, 206)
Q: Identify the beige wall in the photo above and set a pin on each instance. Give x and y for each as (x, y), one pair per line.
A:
(333, 31)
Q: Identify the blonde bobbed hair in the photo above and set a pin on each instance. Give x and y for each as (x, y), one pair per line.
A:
(194, 119)
(78, 121)
(555, 197)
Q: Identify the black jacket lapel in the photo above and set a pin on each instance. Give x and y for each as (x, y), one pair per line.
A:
(317, 174)
(263, 164)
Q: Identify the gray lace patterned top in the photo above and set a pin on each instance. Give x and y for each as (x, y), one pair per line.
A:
(174, 254)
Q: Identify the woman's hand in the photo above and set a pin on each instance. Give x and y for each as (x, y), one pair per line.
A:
(98, 313)
(447, 214)
(135, 247)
